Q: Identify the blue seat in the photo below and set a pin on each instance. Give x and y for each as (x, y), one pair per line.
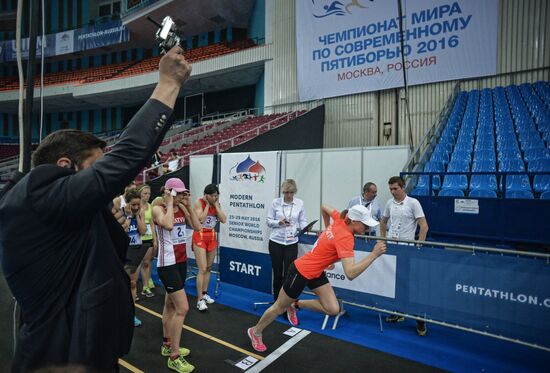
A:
(545, 195)
(537, 144)
(516, 182)
(455, 182)
(539, 165)
(538, 153)
(485, 165)
(484, 182)
(424, 180)
(511, 165)
(483, 193)
(440, 157)
(541, 183)
(448, 192)
(519, 194)
(421, 192)
(462, 165)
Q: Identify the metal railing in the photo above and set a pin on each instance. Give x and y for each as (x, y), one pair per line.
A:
(502, 176)
(228, 143)
(433, 133)
(443, 246)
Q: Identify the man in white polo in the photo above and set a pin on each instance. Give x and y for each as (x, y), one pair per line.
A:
(404, 214)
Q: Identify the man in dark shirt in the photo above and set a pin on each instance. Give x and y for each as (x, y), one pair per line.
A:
(61, 249)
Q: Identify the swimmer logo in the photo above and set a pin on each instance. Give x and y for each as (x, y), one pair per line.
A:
(248, 170)
(330, 8)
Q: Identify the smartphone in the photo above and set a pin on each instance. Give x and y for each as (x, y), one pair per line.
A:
(173, 193)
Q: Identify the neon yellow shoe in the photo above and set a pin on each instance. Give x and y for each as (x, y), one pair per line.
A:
(151, 284)
(180, 365)
(165, 351)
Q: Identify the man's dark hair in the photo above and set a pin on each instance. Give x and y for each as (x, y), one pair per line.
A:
(211, 189)
(397, 180)
(73, 144)
(367, 186)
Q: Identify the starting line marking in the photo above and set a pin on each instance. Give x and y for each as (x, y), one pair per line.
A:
(278, 352)
(208, 336)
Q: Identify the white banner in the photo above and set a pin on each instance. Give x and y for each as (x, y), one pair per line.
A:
(247, 188)
(64, 42)
(355, 46)
(378, 279)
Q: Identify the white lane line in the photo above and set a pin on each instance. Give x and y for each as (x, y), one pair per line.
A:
(278, 352)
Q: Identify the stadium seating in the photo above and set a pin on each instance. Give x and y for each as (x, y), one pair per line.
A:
(504, 130)
(125, 69)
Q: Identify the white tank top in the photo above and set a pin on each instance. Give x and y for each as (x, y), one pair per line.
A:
(172, 245)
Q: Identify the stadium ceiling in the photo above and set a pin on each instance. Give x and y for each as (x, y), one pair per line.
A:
(192, 17)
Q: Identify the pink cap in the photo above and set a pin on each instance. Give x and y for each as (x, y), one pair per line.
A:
(175, 184)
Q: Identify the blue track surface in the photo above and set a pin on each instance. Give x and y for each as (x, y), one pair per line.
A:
(444, 348)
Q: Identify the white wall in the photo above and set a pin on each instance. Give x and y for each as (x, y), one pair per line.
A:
(331, 176)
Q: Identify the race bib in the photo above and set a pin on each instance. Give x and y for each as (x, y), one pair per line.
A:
(148, 232)
(210, 222)
(135, 239)
(179, 234)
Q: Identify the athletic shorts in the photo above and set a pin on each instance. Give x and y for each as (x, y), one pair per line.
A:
(295, 283)
(134, 256)
(205, 239)
(173, 276)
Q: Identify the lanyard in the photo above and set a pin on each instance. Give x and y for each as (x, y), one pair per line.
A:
(283, 210)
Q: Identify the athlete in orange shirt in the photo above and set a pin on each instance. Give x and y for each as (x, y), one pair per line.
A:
(335, 243)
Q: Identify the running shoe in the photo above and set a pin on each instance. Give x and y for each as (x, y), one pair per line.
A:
(207, 298)
(201, 305)
(291, 315)
(137, 322)
(257, 343)
(165, 351)
(180, 365)
(147, 293)
(394, 318)
(151, 284)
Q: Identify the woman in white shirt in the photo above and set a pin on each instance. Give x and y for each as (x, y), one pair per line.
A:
(286, 217)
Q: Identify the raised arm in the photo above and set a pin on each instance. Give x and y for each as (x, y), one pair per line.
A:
(221, 215)
(327, 212)
(142, 226)
(165, 219)
(190, 216)
(202, 212)
(76, 198)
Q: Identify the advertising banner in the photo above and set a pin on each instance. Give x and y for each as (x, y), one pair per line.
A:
(100, 36)
(70, 41)
(503, 295)
(249, 184)
(355, 46)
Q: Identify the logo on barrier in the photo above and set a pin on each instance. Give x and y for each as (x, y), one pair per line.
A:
(248, 170)
(335, 8)
(249, 269)
(336, 276)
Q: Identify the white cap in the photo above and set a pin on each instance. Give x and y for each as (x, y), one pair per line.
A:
(362, 214)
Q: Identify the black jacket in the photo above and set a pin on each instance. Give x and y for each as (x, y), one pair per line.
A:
(62, 253)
